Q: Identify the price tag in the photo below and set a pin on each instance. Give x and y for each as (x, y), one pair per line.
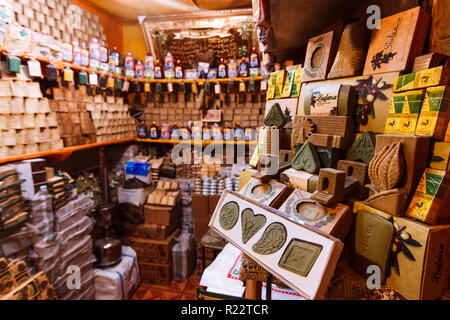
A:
(34, 68)
(242, 86)
(170, 86)
(263, 85)
(125, 86)
(147, 87)
(111, 82)
(93, 79)
(68, 75)
(217, 88)
(194, 87)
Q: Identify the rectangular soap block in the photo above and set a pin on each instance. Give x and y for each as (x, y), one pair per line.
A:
(434, 116)
(422, 79)
(429, 203)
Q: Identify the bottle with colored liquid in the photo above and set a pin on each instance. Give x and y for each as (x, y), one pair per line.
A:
(104, 57)
(111, 65)
(174, 132)
(76, 53)
(168, 62)
(178, 70)
(239, 133)
(67, 51)
(142, 131)
(232, 69)
(154, 131)
(149, 65)
(158, 70)
(115, 56)
(129, 65)
(165, 131)
(85, 61)
(94, 54)
(222, 69)
(139, 70)
(243, 68)
(217, 132)
(254, 60)
(228, 134)
(206, 134)
(185, 133)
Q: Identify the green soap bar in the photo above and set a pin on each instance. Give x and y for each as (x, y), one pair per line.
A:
(300, 256)
(251, 224)
(372, 243)
(363, 148)
(13, 64)
(275, 117)
(306, 159)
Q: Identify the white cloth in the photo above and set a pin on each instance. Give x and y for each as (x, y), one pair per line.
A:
(222, 276)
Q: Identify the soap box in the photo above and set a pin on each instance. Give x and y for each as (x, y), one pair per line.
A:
(426, 276)
(271, 193)
(425, 78)
(404, 112)
(430, 201)
(334, 220)
(434, 116)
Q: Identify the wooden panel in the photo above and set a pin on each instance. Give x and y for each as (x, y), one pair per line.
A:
(440, 32)
(395, 45)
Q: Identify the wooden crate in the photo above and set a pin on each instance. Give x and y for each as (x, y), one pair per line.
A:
(152, 251)
(161, 215)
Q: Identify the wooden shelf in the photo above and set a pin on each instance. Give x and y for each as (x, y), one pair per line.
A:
(195, 142)
(61, 65)
(63, 154)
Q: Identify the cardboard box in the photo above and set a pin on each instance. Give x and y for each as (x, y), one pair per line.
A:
(135, 197)
(425, 277)
(440, 159)
(430, 201)
(152, 251)
(404, 112)
(161, 215)
(158, 274)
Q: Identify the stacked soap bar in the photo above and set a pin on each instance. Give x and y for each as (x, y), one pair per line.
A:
(58, 18)
(27, 125)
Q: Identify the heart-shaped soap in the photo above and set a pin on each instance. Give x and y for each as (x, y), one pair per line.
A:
(251, 224)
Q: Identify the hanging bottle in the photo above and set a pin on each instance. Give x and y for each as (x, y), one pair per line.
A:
(222, 70)
(76, 53)
(85, 61)
(94, 54)
(178, 70)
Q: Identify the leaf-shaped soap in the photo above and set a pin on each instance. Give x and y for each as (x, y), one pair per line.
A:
(275, 117)
(251, 224)
(272, 239)
(307, 159)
